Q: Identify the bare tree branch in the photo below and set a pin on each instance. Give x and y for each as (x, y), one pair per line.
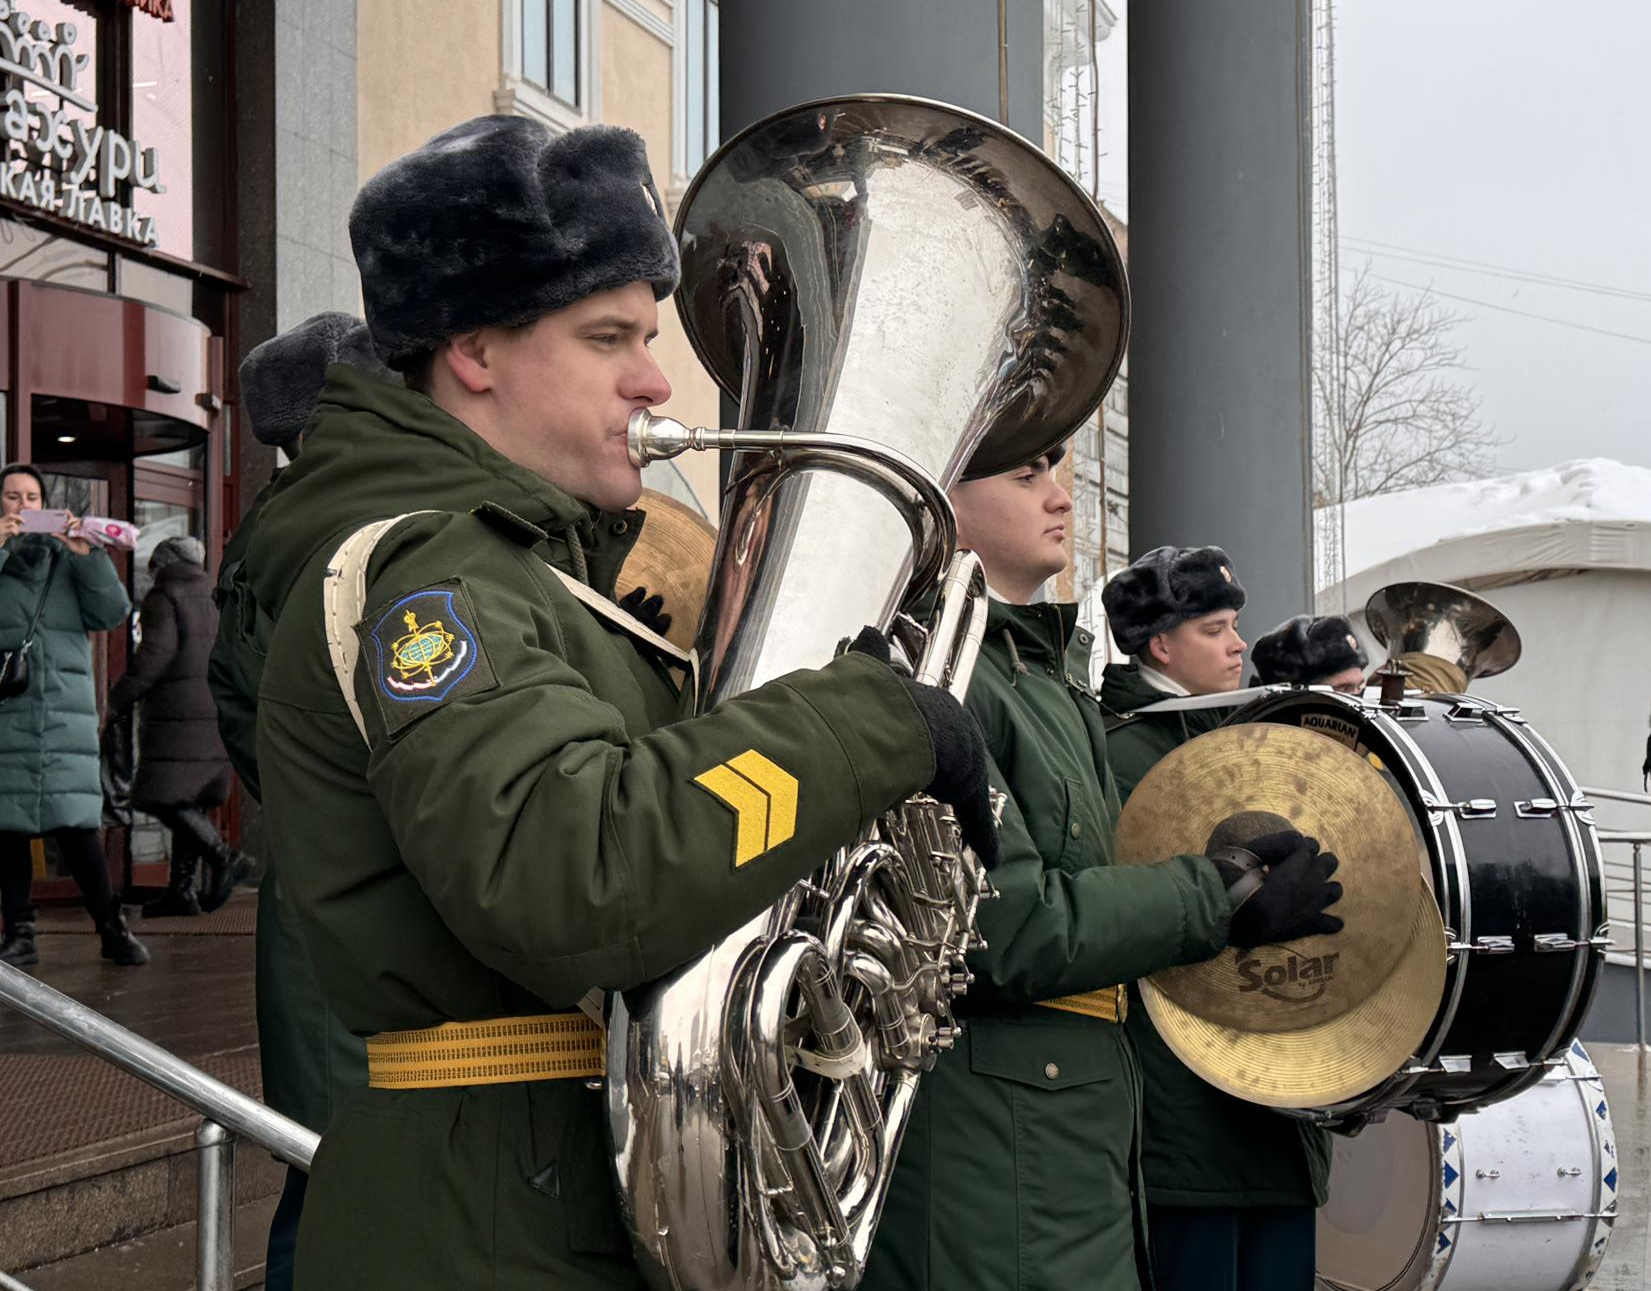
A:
(1399, 417)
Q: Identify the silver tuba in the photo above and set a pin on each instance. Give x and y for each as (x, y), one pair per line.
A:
(893, 289)
(1422, 622)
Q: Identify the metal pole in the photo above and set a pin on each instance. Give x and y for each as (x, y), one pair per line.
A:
(247, 1117)
(1639, 951)
(215, 1208)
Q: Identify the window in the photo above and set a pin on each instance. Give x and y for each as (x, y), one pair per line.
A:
(550, 47)
(701, 65)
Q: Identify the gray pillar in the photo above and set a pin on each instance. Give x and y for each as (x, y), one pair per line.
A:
(1219, 265)
(779, 52)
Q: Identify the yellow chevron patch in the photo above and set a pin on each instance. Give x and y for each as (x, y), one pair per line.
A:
(763, 797)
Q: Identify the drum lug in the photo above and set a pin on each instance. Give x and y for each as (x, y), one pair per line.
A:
(1482, 946)
(1468, 809)
(1553, 943)
(1450, 1064)
(1547, 808)
(1512, 1061)
(1466, 713)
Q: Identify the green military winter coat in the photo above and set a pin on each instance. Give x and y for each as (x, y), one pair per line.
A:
(309, 1061)
(49, 776)
(1202, 1147)
(525, 827)
(1019, 1172)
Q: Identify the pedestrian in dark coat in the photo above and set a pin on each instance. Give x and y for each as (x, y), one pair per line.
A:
(49, 779)
(182, 767)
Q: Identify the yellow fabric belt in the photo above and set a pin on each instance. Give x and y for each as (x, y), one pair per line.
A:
(550, 1046)
(1110, 1003)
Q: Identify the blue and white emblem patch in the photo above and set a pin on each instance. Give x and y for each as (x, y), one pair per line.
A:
(422, 651)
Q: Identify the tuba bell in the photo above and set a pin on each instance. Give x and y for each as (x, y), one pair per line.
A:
(894, 290)
(1446, 637)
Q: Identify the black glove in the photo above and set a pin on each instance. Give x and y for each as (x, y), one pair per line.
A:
(959, 754)
(646, 610)
(1290, 899)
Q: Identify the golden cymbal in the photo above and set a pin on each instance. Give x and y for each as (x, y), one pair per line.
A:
(1327, 1064)
(1323, 789)
(672, 558)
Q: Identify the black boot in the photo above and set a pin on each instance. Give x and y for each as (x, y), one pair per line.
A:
(227, 867)
(118, 942)
(17, 949)
(179, 897)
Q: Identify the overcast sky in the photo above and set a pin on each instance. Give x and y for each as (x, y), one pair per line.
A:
(1518, 135)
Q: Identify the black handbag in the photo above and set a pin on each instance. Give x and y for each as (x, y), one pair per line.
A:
(14, 663)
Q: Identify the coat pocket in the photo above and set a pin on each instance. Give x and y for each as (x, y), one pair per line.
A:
(1080, 842)
(1050, 1056)
(1073, 1105)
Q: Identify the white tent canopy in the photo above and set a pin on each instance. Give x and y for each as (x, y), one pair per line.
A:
(1592, 514)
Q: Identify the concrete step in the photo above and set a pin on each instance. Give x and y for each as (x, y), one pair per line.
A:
(118, 1191)
(161, 1261)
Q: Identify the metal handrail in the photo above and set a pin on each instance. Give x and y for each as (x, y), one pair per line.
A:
(1617, 795)
(229, 1114)
(1636, 840)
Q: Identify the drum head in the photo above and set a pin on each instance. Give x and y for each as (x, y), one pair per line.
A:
(1378, 1229)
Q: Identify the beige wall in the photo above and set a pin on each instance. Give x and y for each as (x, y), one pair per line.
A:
(422, 65)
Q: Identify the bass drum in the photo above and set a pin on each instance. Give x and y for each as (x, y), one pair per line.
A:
(1517, 1197)
(1514, 865)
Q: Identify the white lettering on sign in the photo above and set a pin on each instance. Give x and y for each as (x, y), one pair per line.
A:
(58, 163)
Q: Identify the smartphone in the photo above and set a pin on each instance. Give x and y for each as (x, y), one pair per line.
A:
(45, 521)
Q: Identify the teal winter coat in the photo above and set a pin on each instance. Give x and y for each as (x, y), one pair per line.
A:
(49, 734)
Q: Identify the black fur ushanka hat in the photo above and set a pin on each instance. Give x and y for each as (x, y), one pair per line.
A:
(497, 222)
(1303, 651)
(1166, 587)
(282, 378)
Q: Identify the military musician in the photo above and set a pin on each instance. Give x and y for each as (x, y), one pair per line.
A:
(478, 795)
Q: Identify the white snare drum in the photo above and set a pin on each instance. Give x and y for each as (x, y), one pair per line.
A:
(1517, 1197)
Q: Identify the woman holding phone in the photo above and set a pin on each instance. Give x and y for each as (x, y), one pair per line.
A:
(55, 587)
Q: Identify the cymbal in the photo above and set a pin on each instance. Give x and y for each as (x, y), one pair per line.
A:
(1322, 1065)
(1323, 789)
(672, 558)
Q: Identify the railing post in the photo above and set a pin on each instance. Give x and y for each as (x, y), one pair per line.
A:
(215, 1208)
(1639, 951)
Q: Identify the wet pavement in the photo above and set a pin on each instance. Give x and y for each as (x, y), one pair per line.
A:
(1627, 1073)
(194, 998)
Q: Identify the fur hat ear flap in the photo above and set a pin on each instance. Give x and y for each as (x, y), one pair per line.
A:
(282, 378)
(1166, 587)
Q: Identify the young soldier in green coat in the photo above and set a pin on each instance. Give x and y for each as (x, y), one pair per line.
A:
(1231, 1186)
(307, 1058)
(1020, 1169)
(497, 807)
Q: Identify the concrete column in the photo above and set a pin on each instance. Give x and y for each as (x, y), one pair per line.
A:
(779, 52)
(1219, 264)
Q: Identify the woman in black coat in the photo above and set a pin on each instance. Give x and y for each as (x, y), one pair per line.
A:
(182, 766)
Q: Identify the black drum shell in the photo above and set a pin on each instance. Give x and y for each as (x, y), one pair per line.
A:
(1515, 866)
